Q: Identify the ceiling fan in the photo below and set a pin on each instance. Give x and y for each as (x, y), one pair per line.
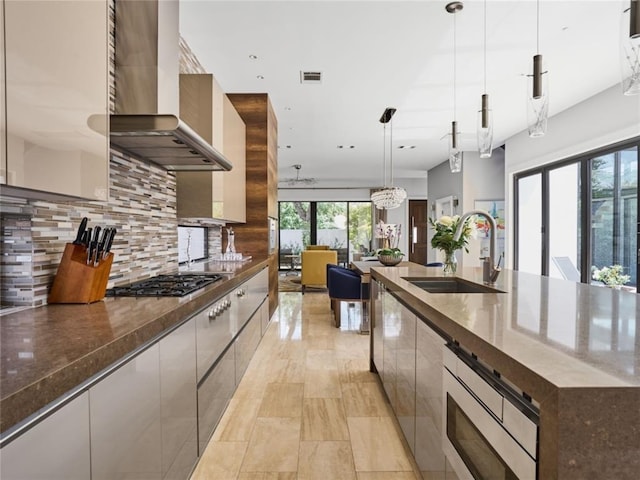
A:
(297, 180)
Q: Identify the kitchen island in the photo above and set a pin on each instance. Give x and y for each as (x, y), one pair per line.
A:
(572, 348)
(49, 352)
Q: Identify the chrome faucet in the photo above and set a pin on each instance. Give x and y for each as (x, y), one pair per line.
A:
(490, 271)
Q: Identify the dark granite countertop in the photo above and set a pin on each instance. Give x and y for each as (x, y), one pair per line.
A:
(49, 351)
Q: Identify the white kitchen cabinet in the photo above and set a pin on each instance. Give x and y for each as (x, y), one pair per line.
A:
(229, 188)
(178, 402)
(429, 409)
(126, 426)
(56, 77)
(220, 195)
(57, 448)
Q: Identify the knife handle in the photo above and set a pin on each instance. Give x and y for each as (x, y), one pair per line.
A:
(107, 247)
(81, 230)
(100, 247)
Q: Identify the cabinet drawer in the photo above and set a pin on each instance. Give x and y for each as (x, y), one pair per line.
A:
(249, 296)
(214, 332)
(246, 345)
(485, 392)
(214, 394)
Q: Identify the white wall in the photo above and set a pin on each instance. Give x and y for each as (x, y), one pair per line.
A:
(602, 120)
(480, 179)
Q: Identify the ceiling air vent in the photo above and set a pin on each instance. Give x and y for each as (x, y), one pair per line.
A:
(310, 77)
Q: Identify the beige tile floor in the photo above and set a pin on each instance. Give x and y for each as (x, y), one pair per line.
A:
(308, 408)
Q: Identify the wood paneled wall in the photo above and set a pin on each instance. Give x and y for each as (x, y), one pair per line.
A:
(252, 238)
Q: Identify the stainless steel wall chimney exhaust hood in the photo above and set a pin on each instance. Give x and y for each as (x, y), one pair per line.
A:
(147, 123)
(165, 140)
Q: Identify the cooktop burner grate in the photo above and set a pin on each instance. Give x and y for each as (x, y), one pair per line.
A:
(177, 285)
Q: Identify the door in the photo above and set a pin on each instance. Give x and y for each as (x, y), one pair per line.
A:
(418, 239)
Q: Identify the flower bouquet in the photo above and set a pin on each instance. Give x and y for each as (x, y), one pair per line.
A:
(444, 231)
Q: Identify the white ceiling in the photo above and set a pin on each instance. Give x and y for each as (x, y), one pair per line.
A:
(378, 54)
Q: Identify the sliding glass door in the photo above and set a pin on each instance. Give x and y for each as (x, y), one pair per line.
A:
(345, 227)
(578, 215)
(529, 222)
(614, 205)
(565, 215)
(295, 232)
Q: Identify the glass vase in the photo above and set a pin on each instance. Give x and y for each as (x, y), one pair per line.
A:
(450, 263)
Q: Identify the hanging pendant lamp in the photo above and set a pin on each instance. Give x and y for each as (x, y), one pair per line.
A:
(455, 153)
(630, 48)
(388, 197)
(485, 116)
(538, 101)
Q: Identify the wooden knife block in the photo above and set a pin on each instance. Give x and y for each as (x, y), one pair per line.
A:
(77, 282)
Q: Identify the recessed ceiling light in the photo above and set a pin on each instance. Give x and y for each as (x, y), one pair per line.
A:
(259, 77)
(352, 146)
(288, 109)
(253, 57)
(288, 146)
(340, 146)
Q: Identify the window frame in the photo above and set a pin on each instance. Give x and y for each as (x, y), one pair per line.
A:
(585, 162)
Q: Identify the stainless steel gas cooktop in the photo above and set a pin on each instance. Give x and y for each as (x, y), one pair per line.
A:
(177, 285)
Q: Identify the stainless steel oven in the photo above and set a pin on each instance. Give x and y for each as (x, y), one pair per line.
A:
(490, 431)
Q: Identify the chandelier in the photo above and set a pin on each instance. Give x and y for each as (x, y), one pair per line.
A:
(388, 197)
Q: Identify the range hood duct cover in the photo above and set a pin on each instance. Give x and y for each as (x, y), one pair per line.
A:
(146, 123)
(167, 141)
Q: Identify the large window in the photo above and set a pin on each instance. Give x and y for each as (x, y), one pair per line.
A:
(344, 226)
(579, 214)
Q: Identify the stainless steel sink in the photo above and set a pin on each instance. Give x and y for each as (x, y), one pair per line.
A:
(450, 285)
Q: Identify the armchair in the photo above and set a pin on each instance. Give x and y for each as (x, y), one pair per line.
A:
(314, 267)
(345, 285)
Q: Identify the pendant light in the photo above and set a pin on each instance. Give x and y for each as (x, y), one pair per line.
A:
(630, 48)
(538, 102)
(485, 116)
(388, 197)
(455, 153)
